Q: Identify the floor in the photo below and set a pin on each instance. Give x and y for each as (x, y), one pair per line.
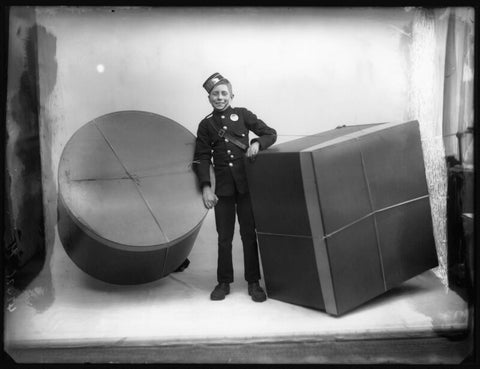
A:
(66, 316)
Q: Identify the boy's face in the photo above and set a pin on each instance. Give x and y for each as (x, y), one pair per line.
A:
(220, 97)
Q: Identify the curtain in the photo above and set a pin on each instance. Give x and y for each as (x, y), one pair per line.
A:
(458, 96)
(426, 56)
(441, 56)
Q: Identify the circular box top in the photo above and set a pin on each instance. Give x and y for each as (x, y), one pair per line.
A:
(126, 180)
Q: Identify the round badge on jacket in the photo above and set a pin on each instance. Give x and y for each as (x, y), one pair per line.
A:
(234, 117)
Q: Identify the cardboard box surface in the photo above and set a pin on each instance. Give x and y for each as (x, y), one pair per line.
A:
(342, 216)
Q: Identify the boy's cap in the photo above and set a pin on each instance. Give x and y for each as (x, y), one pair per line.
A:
(212, 81)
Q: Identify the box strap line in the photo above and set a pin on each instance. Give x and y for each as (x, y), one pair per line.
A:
(370, 200)
(328, 235)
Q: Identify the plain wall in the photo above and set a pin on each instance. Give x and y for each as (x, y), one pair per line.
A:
(302, 71)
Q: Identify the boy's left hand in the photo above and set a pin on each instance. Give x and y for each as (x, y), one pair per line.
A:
(253, 150)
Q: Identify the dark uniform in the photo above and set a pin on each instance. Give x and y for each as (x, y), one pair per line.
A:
(231, 185)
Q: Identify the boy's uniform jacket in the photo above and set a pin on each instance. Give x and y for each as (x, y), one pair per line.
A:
(228, 158)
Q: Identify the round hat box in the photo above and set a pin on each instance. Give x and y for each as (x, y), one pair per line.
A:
(129, 207)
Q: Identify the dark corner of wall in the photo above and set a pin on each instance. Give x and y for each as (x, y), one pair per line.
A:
(24, 236)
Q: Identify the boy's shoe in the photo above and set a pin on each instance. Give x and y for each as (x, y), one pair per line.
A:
(220, 291)
(257, 293)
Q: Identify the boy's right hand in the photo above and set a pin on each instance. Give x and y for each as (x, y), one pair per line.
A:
(209, 197)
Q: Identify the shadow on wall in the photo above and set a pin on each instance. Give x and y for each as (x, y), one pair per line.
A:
(28, 245)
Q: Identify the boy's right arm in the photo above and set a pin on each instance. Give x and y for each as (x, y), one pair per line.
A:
(202, 159)
(209, 197)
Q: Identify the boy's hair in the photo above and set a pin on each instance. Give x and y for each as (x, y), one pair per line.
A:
(224, 82)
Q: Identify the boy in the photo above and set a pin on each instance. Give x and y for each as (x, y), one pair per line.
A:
(223, 134)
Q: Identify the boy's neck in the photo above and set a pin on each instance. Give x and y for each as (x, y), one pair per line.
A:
(221, 111)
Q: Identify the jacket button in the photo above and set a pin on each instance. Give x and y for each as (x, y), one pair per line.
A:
(231, 156)
(224, 127)
(223, 116)
(230, 164)
(226, 140)
(229, 151)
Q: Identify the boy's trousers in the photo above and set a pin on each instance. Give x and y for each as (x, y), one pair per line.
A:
(225, 222)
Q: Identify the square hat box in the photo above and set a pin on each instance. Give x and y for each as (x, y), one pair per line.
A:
(342, 216)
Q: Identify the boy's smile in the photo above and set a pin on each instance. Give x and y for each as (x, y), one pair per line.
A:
(220, 97)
